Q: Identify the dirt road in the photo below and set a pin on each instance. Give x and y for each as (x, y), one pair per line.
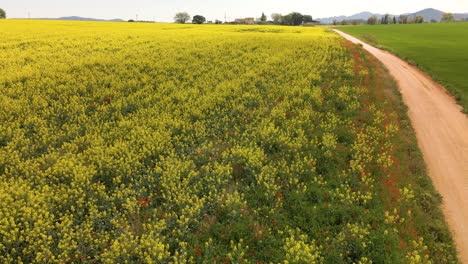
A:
(442, 132)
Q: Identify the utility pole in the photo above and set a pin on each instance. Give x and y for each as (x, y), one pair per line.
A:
(225, 18)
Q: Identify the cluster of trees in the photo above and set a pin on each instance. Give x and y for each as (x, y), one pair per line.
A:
(402, 19)
(292, 19)
(448, 17)
(2, 14)
(405, 19)
(296, 19)
(184, 17)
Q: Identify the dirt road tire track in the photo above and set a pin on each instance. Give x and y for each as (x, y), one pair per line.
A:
(442, 132)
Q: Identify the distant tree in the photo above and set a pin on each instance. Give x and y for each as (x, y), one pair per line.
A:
(218, 22)
(385, 19)
(198, 19)
(297, 18)
(345, 22)
(276, 18)
(131, 20)
(372, 20)
(448, 17)
(308, 19)
(434, 20)
(2, 14)
(286, 19)
(182, 17)
(403, 19)
(293, 19)
(394, 20)
(263, 18)
(419, 19)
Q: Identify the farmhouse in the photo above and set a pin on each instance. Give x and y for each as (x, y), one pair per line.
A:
(311, 23)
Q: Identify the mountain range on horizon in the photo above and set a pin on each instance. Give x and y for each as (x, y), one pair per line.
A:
(429, 14)
(78, 18)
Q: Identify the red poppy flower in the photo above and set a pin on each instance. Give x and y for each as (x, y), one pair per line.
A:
(279, 196)
(143, 202)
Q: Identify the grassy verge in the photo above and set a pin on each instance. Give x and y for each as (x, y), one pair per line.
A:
(435, 232)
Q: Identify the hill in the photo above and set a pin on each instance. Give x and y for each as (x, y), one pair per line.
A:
(77, 18)
(434, 14)
(429, 14)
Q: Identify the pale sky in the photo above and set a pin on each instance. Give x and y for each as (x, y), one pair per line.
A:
(164, 10)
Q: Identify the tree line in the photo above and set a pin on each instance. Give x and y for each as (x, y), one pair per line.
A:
(2, 14)
(402, 19)
(291, 19)
(388, 19)
(296, 19)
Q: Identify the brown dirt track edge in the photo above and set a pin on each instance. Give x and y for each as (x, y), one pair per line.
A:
(442, 132)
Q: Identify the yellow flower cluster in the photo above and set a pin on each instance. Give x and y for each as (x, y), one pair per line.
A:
(299, 249)
(419, 253)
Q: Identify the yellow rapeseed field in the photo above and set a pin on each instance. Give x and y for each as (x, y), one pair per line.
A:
(161, 143)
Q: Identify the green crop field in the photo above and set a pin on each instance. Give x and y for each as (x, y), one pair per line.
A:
(439, 49)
